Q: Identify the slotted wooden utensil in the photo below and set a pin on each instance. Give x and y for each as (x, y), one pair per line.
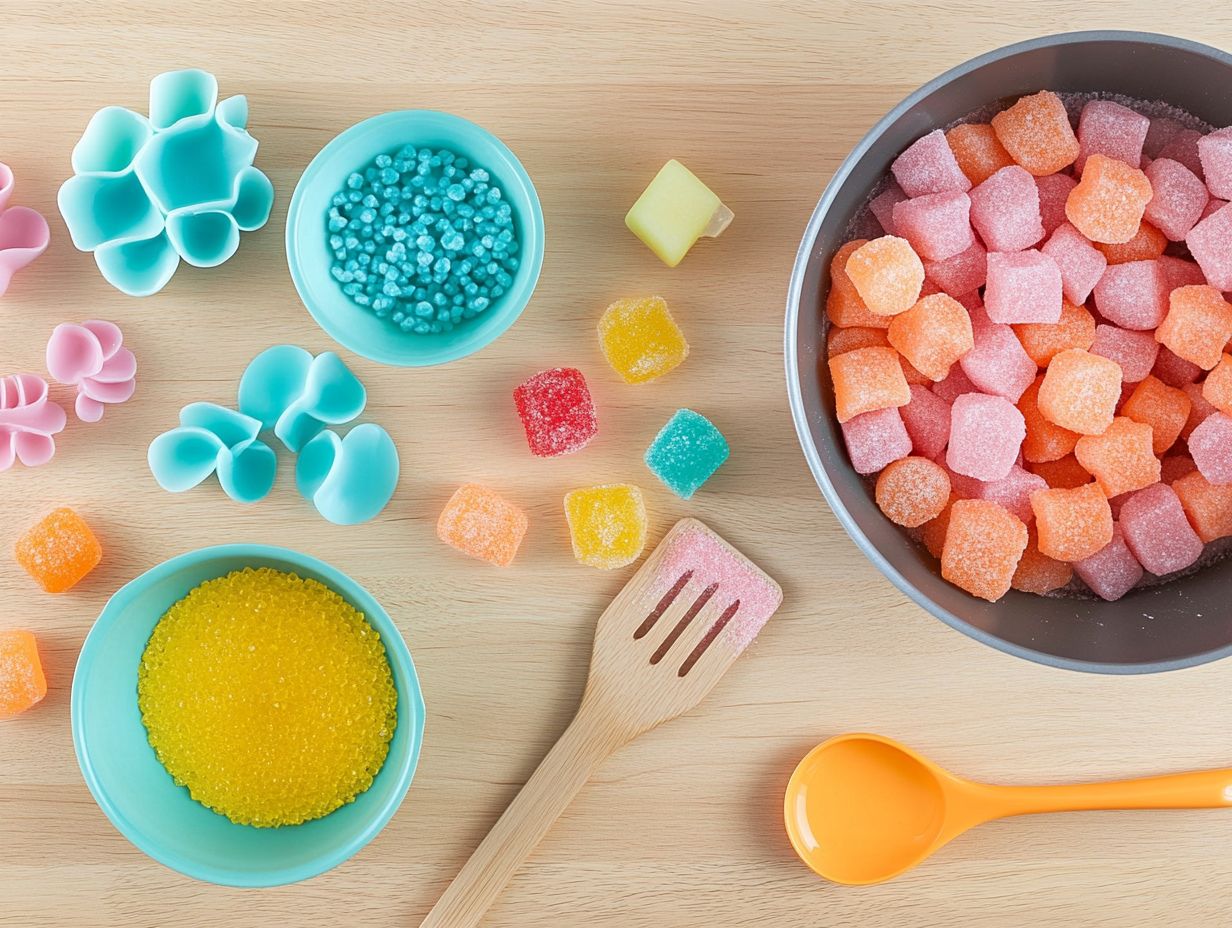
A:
(660, 647)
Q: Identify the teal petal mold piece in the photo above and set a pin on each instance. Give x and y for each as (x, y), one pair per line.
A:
(111, 141)
(176, 95)
(247, 475)
(350, 480)
(138, 795)
(272, 381)
(138, 268)
(253, 199)
(298, 395)
(182, 458)
(196, 163)
(213, 438)
(204, 239)
(102, 209)
(234, 429)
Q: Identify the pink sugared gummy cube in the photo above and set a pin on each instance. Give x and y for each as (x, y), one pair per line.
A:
(1213, 205)
(1134, 295)
(556, 411)
(1134, 351)
(1158, 531)
(1011, 492)
(929, 166)
(1081, 263)
(938, 225)
(1107, 128)
(1183, 147)
(1112, 571)
(927, 418)
(1215, 153)
(1005, 210)
(1162, 131)
(1178, 198)
(882, 206)
(959, 274)
(986, 433)
(1023, 286)
(1180, 273)
(1053, 191)
(998, 363)
(1210, 243)
(1210, 446)
(955, 385)
(1174, 370)
(874, 439)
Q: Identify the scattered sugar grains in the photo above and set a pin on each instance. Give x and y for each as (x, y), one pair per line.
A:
(59, 550)
(479, 522)
(268, 696)
(22, 683)
(607, 525)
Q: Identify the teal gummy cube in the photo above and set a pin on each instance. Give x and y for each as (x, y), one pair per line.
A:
(686, 452)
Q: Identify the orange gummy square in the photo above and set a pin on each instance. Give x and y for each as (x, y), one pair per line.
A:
(22, 683)
(1147, 244)
(933, 334)
(1042, 341)
(978, 152)
(868, 379)
(1217, 388)
(887, 274)
(479, 522)
(1080, 391)
(983, 545)
(1044, 440)
(1072, 524)
(1165, 409)
(1062, 474)
(912, 490)
(1122, 458)
(59, 550)
(1208, 506)
(843, 304)
(1037, 573)
(840, 341)
(933, 532)
(1108, 203)
(1198, 325)
(1037, 134)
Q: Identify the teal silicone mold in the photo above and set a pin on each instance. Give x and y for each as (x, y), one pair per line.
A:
(148, 192)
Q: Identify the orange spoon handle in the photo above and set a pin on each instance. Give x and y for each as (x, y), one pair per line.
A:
(1203, 789)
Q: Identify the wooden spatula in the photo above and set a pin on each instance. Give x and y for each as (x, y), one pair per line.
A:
(660, 647)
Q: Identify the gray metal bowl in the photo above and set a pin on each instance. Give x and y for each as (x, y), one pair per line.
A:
(1174, 625)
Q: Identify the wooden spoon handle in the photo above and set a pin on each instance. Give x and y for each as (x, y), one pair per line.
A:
(551, 788)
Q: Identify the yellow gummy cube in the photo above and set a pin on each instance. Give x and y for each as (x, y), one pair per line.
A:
(640, 339)
(607, 524)
(674, 211)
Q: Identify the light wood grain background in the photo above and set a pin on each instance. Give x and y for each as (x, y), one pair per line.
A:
(683, 827)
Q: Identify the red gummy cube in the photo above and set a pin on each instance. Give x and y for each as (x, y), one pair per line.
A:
(927, 419)
(929, 166)
(1005, 210)
(1215, 153)
(955, 385)
(1178, 198)
(1157, 531)
(1053, 190)
(1110, 129)
(1210, 243)
(997, 364)
(882, 206)
(1210, 445)
(959, 274)
(556, 411)
(1135, 352)
(1012, 492)
(1183, 147)
(1112, 571)
(1023, 287)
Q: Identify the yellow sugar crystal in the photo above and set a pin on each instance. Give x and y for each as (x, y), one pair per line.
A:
(675, 211)
(607, 524)
(640, 339)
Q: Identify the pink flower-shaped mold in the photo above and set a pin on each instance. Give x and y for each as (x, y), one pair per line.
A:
(91, 356)
(23, 232)
(28, 420)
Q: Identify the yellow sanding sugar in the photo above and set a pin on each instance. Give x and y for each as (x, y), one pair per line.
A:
(268, 696)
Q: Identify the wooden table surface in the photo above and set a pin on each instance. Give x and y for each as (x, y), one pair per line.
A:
(683, 827)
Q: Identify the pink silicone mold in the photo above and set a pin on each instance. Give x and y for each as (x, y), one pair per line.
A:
(91, 356)
(28, 420)
(23, 232)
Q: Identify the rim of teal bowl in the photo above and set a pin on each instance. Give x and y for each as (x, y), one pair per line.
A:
(400, 662)
(406, 349)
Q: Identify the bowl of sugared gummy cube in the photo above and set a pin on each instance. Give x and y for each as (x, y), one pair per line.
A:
(1008, 349)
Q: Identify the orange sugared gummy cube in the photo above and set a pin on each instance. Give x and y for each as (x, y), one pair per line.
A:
(479, 522)
(1042, 341)
(933, 334)
(1037, 134)
(59, 550)
(913, 490)
(843, 304)
(840, 341)
(1208, 506)
(983, 545)
(22, 683)
(1217, 388)
(1121, 458)
(887, 275)
(1072, 524)
(1108, 203)
(1198, 325)
(1045, 441)
(1063, 474)
(1165, 409)
(1037, 573)
(1147, 244)
(1080, 391)
(868, 379)
(978, 152)
(933, 532)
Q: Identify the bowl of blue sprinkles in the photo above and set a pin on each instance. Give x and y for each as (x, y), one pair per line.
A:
(415, 238)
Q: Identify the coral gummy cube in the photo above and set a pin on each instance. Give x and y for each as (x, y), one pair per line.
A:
(1107, 128)
(641, 340)
(844, 307)
(1023, 287)
(986, 433)
(1109, 201)
(479, 522)
(556, 411)
(1043, 341)
(1147, 244)
(1112, 571)
(59, 550)
(1037, 134)
(938, 225)
(1062, 474)
(686, 452)
(1217, 388)
(1157, 531)
(1208, 505)
(977, 151)
(22, 683)
(874, 439)
(867, 379)
(607, 525)
(1122, 458)
(1037, 573)
(887, 274)
(928, 166)
(1197, 326)
(1044, 440)
(1080, 391)
(1165, 409)
(1072, 524)
(912, 491)
(674, 211)
(983, 545)
(840, 341)
(1005, 210)
(933, 334)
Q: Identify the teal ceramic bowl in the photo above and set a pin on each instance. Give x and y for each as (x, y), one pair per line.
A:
(139, 796)
(309, 257)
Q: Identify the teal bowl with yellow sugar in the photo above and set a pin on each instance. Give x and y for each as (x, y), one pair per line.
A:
(142, 800)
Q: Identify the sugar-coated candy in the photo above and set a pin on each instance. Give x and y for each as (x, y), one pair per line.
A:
(932, 335)
(867, 379)
(1165, 409)
(607, 524)
(1005, 210)
(1161, 131)
(1072, 524)
(840, 341)
(1044, 440)
(1213, 205)
(59, 550)
(1174, 467)
(556, 411)
(1217, 388)
(1173, 370)
(1080, 391)
(1135, 352)
(882, 206)
(1199, 409)
(1207, 505)
(983, 545)
(641, 340)
(887, 274)
(1133, 295)
(1043, 341)
(932, 533)
(912, 491)
(1121, 459)
(874, 439)
(954, 385)
(986, 434)
(1012, 492)
(1178, 198)
(938, 225)
(1024, 286)
(1081, 264)
(929, 166)
(1063, 473)
(927, 420)
(1157, 531)
(1197, 326)
(1109, 201)
(1112, 571)
(1210, 243)
(978, 152)
(1108, 128)
(1037, 573)
(1037, 134)
(479, 522)
(686, 452)
(1210, 445)
(844, 307)
(1053, 190)
(1183, 147)
(1147, 244)
(674, 211)
(960, 274)
(1215, 153)
(997, 363)
(22, 683)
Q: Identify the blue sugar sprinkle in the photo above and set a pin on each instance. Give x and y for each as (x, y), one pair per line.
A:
(686, 452)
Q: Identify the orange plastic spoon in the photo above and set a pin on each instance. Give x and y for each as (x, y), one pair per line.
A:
(862, 808)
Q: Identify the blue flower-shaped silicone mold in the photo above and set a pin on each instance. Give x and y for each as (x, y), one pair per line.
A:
(350, 479)
(214, 439)
(288, 390)
(146, 192)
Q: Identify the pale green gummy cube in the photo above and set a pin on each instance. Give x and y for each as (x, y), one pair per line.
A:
(675, 211)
